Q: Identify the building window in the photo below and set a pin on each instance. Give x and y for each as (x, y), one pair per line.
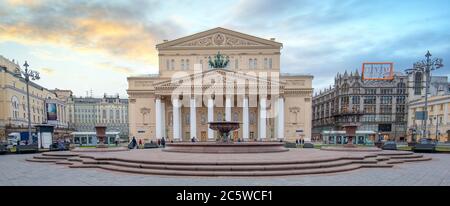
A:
(371, 91)
(182, 64)
(401, 100)
(172, 65)
(219, 117)
(15, 107)
(236, 64)
(250, 63)
(401, 88)
(187, 64)
(386, 100)
(355, 99)
(386, 91)
(418, 83)
(386, 109)
(370, 100)
(167, 64)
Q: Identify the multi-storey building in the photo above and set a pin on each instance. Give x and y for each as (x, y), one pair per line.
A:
(377, 107)
(438, 121)
(13, 102)
(85, 113)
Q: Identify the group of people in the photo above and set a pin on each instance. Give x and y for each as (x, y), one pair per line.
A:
(134, 143)
(299, 141)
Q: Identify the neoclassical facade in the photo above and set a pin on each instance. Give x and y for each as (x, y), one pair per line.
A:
(190, 91)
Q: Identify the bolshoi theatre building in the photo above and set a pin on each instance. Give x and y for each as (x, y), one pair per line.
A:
(220, 75)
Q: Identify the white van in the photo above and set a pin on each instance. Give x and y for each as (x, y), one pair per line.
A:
(13, 139)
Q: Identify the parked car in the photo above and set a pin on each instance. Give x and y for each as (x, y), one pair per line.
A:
(389, 145)
(3, 148)
(425, 145)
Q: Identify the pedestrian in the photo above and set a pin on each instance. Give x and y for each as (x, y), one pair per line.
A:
(133, 143)
(140, 143)
(163, 142)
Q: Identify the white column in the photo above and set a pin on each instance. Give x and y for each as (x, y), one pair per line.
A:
(227, 109)
(210, 118)
(158, 118)
(176, 119)
(281, 118)
(193, 119)
(245, 120)
(262, 118)
(163, 120)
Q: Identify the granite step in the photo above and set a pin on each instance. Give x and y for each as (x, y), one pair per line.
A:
(228, 173)
(399, 161)
(233, 167)
(42, 160)
(49, 157)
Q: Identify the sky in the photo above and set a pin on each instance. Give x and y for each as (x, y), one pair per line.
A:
(85, 45)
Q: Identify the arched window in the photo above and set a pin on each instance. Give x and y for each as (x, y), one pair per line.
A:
(219, 117)
(418, 83)
(235, 117)
(15, 107)
(401, 88)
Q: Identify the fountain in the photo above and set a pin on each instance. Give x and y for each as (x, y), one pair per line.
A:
(101, 135)
(224, 128)
(224, 145)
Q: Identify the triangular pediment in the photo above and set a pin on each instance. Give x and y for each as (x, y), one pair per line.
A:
(206, 76)
(219, 38)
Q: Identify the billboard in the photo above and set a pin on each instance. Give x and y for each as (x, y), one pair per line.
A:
(51, 112)
(378, 71)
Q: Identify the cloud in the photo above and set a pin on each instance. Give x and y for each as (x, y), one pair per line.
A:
(117, 29)
(47, 71)
(116, 68)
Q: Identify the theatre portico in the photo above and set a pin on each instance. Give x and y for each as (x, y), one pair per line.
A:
(189, 91)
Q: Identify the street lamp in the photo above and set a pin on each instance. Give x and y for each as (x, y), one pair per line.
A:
(426, 66)
(33, 75)
(437, 124)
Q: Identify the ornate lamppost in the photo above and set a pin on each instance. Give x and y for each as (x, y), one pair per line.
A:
(425, 67)
(33, 75)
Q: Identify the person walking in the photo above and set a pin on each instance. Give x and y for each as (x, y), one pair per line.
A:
(163, 142)
(133, 143)
(140, 143)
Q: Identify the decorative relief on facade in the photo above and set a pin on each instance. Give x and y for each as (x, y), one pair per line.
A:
(145, 112)
(295, 111)
(296, 82)
(143, 83)
(219, 39)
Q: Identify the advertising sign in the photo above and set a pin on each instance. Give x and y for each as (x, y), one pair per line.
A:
(378, 71)
(51, 112)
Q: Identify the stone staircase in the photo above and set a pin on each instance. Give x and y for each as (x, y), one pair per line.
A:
(229, 168)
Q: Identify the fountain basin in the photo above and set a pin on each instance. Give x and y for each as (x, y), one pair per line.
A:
(219, 147)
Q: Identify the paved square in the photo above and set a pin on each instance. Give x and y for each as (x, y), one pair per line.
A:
(16, 171)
